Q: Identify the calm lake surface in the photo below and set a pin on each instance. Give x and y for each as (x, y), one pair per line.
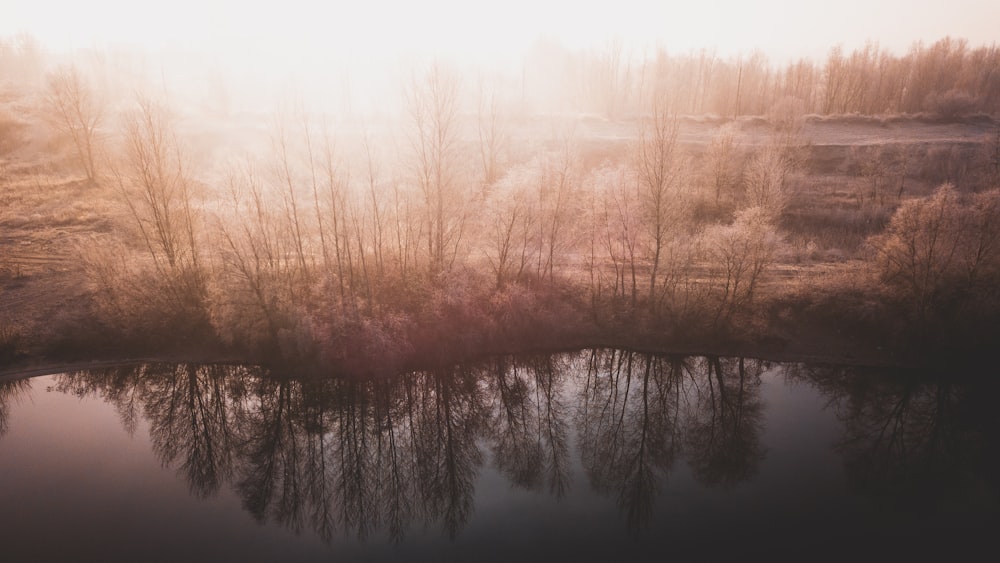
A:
(590, 456)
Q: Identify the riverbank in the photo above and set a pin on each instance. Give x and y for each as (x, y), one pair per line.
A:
(74, 287)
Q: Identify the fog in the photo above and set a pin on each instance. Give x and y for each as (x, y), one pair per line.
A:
(387, 185)
(334, 56)
(371, 197)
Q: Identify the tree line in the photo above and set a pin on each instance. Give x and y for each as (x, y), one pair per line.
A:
(330, 243)
(438, 235)
(949, 78)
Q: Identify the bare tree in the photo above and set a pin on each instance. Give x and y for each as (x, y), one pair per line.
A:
(980, 260)
(492, 135)
(74, 110)
(510, 226)
(722, 162)
(617, 231)
(834, 81)
(335, 178)
(286, 178)
(155, 185)
(920, 246)
(940, 246)
(433, 111)
(152, 179)
(254, 270)
(556, 185)
(872, 181)
(739, 254)
(611, 76)
(657, 164)
(765, 179)
(376, 205)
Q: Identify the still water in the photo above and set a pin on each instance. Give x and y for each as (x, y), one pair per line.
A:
(590, 456)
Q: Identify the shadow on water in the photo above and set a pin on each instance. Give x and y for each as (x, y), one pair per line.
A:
(380, 457)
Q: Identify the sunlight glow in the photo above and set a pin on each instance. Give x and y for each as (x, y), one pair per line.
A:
(462, 29)
(360, 48)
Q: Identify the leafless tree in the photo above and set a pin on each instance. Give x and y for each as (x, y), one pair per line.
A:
(555, 184)
(616, 233)
(610, 79)
(739, 255)
(723, 163)
(154, 183)
(871, 185)
(940, 245)
(285, 175)
(254, 270)
(73, 109)
(765, 180)
(510, 230)
(981, 259)
(493, 136)
(659, 171)
(881, 170)
(432, 102)
(376, 205)
(335, 178)
(920, 247)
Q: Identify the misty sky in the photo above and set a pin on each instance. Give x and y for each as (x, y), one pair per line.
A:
(462, 29)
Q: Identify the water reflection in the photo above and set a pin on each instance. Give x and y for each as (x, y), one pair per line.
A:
(10, 391)
(723, 434)
(379, 457)
(529, 427)
(916, 444)
(628, 427)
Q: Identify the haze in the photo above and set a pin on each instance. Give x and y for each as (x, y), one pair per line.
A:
(782, 29)
(406, 252)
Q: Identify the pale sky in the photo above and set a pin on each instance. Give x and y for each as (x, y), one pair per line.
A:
(466, 29)
(361, 50)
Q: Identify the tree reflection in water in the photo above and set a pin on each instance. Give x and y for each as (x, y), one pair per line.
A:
(528, 421)
(365, 457)
(917, 443)
(10, 391)
(723, 432)
(628, 426)
(639, 413)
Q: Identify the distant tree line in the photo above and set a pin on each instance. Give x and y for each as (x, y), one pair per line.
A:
(949, 78)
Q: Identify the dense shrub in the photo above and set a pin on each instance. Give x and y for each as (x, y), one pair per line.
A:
(939, 259)
(738, 255)
(952, 104)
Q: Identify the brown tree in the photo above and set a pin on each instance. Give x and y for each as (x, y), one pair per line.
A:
(659, 171)
(432, 103)
(72, 108)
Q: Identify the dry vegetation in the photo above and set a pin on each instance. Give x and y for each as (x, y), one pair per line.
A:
(715, 205)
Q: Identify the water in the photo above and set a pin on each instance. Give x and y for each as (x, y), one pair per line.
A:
(597, 455)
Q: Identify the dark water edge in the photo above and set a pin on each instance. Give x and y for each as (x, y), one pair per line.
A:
(594, 455)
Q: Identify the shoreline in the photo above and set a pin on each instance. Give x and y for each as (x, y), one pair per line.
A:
(41, 366)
